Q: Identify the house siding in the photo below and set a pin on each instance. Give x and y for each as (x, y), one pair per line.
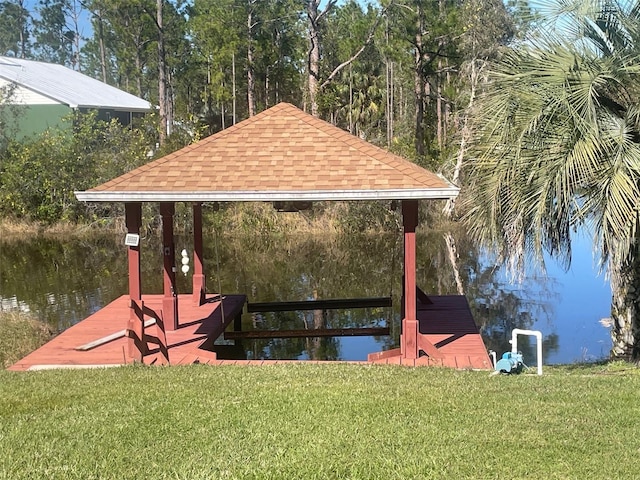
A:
(22, 121)
(25, 96)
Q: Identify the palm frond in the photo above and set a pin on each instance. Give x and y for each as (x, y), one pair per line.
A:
(558, 138)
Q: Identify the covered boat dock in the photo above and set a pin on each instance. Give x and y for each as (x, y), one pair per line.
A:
(279, 155)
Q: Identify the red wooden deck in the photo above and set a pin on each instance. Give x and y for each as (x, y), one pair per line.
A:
(197, 324)
(447, 323)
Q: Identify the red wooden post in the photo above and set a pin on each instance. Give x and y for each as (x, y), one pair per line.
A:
(135, 329)
(198, 263)
(170, 298)
(409, 336)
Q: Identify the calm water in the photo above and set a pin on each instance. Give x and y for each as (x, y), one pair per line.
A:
(63, 282)
(583, 299)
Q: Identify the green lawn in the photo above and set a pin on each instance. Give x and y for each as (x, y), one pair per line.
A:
(303, 421)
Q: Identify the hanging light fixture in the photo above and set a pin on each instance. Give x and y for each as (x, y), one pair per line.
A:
(185, 261)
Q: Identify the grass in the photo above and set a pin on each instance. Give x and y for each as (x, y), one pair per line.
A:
(20, 334)
(304, 421)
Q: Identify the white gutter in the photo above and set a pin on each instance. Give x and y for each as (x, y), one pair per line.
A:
(118, 108)
(268, 195)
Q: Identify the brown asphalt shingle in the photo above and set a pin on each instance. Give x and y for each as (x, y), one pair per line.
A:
(281, 149)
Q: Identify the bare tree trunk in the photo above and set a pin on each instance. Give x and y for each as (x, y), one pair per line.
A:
(389, 89)
(419, 101)
(75, 13)
(139, 71)
(23, 28)
(439, 98)
(439, 106)
(389, 107)
(453, 259)
(419, 84)
(233, 87)
(313, 58)
(103, 53)
(251, 83)
(465, 134)
(162, 75)
(266, 89)
(223, 123)
(351, 100)
(170, 103)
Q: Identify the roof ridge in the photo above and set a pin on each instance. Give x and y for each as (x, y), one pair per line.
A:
(362, 146)
(238, 126)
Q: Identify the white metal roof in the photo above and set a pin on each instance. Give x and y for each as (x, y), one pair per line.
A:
(68, 86)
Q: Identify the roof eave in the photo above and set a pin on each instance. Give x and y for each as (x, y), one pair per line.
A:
(118, 108)
(444, 193)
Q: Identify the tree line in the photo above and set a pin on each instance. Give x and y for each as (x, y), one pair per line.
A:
(395, 72)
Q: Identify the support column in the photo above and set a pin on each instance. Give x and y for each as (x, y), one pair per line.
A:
(409, 335)
(135, 329)
(199, 287)
(170, 298)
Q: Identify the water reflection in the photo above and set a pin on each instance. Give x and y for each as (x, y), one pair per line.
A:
(65, 281)
(319, 347)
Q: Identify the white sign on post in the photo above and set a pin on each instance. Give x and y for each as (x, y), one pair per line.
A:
(132, 240)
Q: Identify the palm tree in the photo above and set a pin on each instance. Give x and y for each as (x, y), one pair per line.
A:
(557, 148)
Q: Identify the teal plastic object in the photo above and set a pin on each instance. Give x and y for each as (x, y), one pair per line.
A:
(509, 363)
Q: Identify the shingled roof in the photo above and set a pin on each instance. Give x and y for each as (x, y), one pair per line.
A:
(281, 154)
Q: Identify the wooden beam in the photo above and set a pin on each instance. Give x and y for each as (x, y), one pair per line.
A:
(427, 347)
(320, 332)
(329, 304)
(110, 338)
(377, 356)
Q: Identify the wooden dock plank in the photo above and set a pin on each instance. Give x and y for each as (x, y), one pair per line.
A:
(309, 333)
(324, 304)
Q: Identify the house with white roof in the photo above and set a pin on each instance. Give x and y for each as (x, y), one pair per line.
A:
(35, 96)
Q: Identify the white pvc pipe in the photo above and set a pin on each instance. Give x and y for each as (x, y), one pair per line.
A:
(535, 333)
(494, 357)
